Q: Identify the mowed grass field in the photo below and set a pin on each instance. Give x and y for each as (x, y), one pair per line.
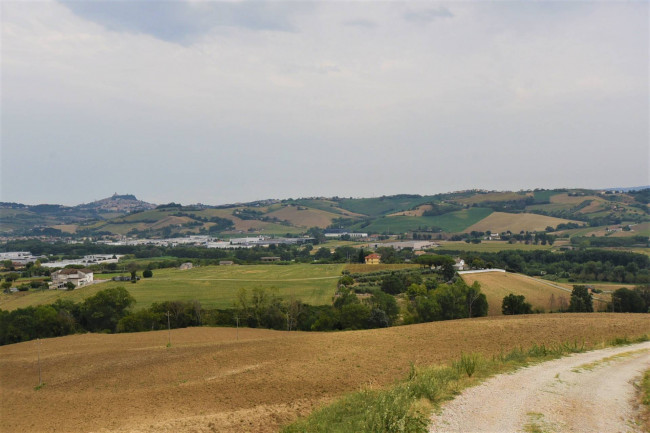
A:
(208, 381)
(497, 285)
(213, 286)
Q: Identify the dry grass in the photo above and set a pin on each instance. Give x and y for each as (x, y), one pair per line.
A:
(497, 285)
(502, 221)
(208, 381)
(170, 221)
(304, 218)
(66, 228)
(574, 200)
(494, 196)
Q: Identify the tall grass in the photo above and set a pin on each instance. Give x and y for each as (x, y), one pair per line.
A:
(406, 406)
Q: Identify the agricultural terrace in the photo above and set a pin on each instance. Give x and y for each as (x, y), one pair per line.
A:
(210, 381)
(212, 286)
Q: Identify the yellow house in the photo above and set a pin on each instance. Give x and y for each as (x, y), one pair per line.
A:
(373, 259)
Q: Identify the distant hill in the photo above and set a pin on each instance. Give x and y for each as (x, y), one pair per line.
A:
(50, 219)
(117, 203)
(437, 215)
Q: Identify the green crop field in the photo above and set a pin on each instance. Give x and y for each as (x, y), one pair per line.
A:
(213, 286)
(543, 196)
(450, 222)
(382, 205)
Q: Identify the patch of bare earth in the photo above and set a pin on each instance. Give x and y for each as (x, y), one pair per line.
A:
(210, 381)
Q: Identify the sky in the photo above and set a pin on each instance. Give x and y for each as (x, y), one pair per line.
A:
(222, 102)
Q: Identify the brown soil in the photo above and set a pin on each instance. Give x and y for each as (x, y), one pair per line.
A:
(209, 381)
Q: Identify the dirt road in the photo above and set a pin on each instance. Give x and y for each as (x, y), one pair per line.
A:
(587, 392)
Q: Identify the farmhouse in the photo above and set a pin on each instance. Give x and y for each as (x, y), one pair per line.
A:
(226, 262)
(185, 266)
(373, 259)
(78, 277)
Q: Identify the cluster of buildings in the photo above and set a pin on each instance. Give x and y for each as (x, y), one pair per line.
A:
(336, 233)
(256, 241)
(212, 242)
(19, 258)
(95, 259)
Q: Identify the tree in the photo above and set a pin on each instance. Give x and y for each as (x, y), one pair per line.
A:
(12, 276)
(323, 253)
(477, 305)
(392, 284)
(581, 300)
(70, 285)
(104, 310)
(317, 234)
(147, 273)
(515, 304)
(628, 301)
(355, 316)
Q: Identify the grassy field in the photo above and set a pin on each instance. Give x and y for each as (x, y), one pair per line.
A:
(211, 381)
(497, 285)
(515, 222)
(541, 196)
(450, 222)
(213, 286)
(382, 205)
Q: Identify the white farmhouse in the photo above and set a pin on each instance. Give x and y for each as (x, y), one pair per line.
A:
(78, 277)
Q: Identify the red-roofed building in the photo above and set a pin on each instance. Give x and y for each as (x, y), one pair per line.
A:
(373, 259)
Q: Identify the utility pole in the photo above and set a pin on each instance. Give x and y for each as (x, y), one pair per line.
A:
(237, 320)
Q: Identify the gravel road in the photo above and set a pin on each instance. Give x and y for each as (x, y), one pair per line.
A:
(587, 392)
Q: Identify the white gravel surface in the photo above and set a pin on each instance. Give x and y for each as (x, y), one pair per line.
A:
(587, 392)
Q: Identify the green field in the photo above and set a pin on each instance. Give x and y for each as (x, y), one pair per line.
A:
(382, 205)
(213, 286)
(451, 222)
(544, 196)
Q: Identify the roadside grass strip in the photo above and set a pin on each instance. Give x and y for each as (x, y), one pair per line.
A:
(407, 405)
(601, 362)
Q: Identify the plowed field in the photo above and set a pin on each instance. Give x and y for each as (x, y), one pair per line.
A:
(209, 381)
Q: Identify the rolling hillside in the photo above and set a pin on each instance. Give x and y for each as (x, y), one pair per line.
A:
(464, 211)
(224, 380)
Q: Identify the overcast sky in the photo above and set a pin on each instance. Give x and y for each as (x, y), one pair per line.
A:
(220, 102)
